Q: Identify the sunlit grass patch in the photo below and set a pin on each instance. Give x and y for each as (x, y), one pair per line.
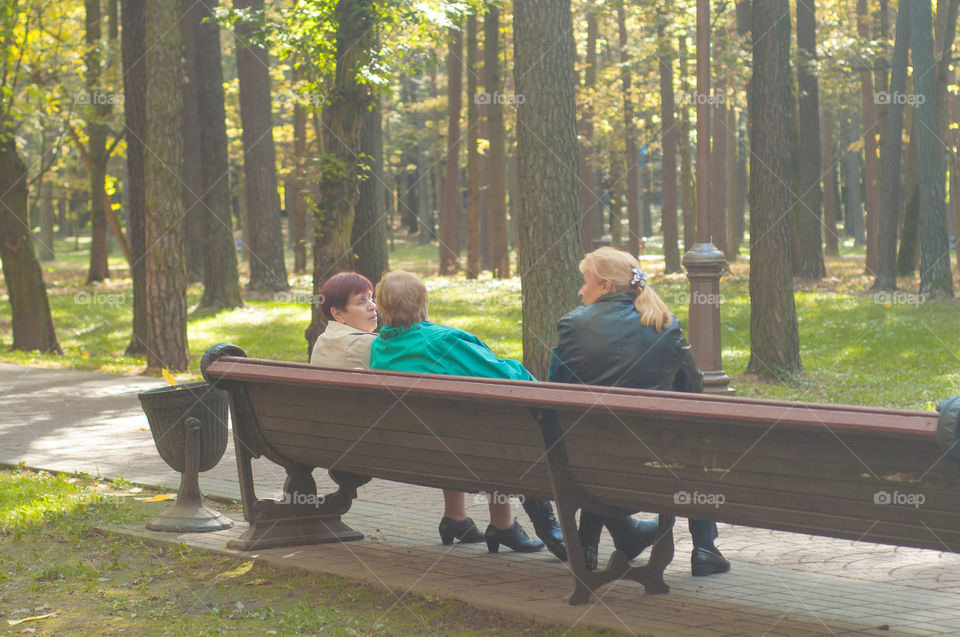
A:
(53, 563)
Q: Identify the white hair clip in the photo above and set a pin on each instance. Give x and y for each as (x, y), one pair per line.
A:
(639, 278)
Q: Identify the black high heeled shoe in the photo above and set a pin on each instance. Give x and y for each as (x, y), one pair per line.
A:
(631, 536)
(514, 538)
(465, 531)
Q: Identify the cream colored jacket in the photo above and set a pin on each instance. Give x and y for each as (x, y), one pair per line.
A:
(342, 346)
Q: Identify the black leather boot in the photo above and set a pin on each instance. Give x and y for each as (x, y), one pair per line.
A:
(591, 558)
(546, 526)
(631, 536)
(514, 537)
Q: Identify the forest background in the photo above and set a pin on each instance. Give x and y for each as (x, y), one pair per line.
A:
(168, 163)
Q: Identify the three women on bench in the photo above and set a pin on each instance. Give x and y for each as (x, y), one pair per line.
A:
(624, 335)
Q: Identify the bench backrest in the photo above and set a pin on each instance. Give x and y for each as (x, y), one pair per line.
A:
(850, 472)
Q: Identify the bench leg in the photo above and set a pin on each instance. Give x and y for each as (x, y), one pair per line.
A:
(302, 517)
(619, 568)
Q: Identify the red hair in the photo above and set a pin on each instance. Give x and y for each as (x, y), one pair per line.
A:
(338, 289)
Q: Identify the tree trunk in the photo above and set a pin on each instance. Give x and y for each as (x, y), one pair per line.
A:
(935, 276)
(265, 241)
(98, 109)
(668, 177)
(830, 199)
(890, 153)
(221, 277)
(166, 284)
(717, 169)
(955, 172)
(547, 154)
(45, 249)
(474, 255)
(853, 200)
(808, 215)
(450, 215)
(743, 151)
(483, 198)
(191, 184)
(369, 234)
(298, 213)
(497, 154)
(633, 208)
(616, 202)
(591, 200)
(774, 338)
(32, 322)
(688, 195)
(871, 167)
(733, 219)
(134, 112)
(344, 114)
(646, 194)
(423, 183)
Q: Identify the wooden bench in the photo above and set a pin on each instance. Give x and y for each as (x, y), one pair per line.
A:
(857, 473)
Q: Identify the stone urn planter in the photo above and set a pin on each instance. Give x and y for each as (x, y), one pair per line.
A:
(189, 427)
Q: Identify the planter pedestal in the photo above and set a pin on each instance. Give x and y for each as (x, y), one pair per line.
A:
(189, 427)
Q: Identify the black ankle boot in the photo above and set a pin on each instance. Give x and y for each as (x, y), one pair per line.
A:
(514, 537)
(546, 526)
(591, 558)
(631, 536)
(465, 530)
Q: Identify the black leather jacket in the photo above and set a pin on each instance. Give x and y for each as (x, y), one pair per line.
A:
(605, 344)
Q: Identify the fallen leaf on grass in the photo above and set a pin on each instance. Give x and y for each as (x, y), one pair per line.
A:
(258, 582)
(160, 497)
(14, 622)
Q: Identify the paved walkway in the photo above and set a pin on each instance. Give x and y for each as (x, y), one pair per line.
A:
(781, 583)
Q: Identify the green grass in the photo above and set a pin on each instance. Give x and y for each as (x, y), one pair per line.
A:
(51, 559)
(854, 349)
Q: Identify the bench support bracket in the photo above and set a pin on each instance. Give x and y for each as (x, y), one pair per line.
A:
(302, 516)
(570, 497)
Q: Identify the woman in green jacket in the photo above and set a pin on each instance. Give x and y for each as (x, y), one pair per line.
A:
(409, 343)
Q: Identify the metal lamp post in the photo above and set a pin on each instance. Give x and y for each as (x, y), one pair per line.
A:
(704, 262)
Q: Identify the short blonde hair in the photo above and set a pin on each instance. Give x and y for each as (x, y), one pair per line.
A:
(616, 266)
(401, 299)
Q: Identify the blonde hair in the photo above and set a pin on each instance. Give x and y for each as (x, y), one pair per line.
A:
(616, 266)
(401, 299)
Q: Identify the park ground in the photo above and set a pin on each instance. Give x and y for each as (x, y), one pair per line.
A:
(857, 347)
(55, 567)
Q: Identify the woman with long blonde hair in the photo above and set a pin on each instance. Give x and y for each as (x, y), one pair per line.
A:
(624, 335)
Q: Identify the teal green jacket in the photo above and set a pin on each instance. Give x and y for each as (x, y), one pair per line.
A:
(426, 348)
